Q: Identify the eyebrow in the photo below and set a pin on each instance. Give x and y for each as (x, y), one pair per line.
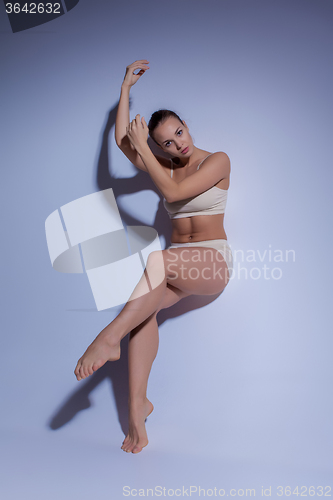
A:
(169, 139)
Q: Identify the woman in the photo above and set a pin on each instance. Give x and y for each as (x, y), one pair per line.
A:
(199, 260)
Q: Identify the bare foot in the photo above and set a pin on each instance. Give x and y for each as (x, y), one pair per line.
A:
(101, 350)
(136, 438)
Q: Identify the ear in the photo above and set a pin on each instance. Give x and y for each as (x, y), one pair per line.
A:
(184, 123)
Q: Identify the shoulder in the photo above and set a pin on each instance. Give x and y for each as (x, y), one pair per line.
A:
(219, 160)
(220, 156)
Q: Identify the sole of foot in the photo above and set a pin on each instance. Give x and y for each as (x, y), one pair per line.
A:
(97, 354)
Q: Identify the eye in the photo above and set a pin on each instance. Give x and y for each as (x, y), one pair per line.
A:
(167, 144)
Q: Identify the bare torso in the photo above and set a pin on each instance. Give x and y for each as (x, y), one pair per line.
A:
(200, 227)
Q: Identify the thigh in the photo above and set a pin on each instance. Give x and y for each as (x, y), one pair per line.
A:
(171, 296)
(196, 270)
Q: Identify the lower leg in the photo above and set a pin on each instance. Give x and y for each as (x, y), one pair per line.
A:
(141, 304)
(206, 278)
(142, 350)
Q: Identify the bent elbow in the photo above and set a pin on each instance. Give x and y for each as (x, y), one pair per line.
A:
(170, 199)
(121, 143)
(174, 194)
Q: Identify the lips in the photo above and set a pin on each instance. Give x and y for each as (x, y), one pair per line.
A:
(185, 150)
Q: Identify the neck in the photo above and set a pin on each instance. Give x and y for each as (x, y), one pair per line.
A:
(188, 162)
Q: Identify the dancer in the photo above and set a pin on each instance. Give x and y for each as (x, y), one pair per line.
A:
(199, 261)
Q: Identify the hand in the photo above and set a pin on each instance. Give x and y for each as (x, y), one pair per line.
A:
(130, 77)
(137, 132)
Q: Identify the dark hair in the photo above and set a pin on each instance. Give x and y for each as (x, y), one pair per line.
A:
(158, 118)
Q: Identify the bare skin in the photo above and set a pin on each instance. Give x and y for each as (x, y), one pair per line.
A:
(138, 316)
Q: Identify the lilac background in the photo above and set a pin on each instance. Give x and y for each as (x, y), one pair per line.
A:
(242, 386)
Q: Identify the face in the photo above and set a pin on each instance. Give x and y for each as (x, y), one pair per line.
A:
(173, 137)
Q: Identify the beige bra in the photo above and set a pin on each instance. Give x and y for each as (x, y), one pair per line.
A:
(210, 202)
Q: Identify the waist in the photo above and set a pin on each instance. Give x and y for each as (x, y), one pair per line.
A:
(201, 242)
(199, 228)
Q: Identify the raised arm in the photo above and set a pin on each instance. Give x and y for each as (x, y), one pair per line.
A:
(123, 116)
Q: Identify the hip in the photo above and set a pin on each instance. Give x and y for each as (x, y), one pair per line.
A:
(219, 244)
(216, 243)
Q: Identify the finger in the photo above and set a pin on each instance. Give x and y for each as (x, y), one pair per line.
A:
(140, 73)
(138, 62)
(133, 67)
(142, 66)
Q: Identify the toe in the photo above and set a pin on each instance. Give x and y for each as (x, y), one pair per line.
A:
(81, 372)
(97, 364)
(125, 442)
(77, 371)
(128, 446)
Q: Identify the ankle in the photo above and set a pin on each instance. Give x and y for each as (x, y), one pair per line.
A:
(137, 401)
(111, 337)
(115, 331)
